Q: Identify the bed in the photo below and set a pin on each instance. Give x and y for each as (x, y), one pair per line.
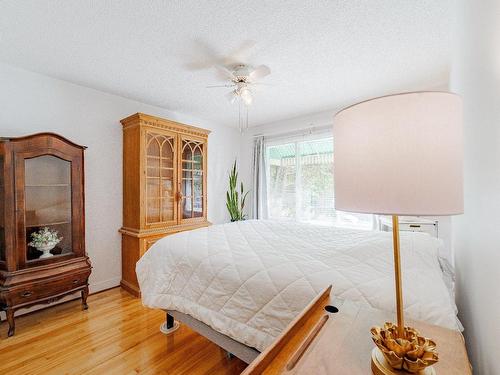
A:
(247, 280)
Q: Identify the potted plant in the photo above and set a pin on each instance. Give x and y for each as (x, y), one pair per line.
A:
(45, 240)
(235, 201)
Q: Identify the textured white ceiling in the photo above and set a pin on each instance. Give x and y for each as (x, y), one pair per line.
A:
(323, 54)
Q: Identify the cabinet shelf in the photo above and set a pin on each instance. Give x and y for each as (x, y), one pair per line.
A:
(63, 253)
(156, 167)
(33, 225)
(47, 185)
(158, 157)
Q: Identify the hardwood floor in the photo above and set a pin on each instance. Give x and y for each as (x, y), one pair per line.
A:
(116, 335)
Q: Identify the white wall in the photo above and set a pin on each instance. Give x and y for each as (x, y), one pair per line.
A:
(476, 76)
(31, 103)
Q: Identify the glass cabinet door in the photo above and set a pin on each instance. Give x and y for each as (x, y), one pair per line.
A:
(47, 207)
(192, 189)
(160, 178)
(2, 212)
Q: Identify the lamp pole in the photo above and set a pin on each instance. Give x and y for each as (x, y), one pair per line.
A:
(397, 274)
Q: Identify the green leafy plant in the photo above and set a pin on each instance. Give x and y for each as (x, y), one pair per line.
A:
(235, 201)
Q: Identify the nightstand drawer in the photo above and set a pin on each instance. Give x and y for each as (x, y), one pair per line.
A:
(411, 224)
(418, 227)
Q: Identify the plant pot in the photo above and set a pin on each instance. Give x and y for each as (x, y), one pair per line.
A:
(46, 250)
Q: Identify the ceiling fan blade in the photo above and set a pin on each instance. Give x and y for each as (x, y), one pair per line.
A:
(223, 73)
(203, 56)
(240, 54)
(231, 96)
(217, 86)
(260, 84)
(260, 72)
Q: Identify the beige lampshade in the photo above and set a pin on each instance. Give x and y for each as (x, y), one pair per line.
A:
(400, 155)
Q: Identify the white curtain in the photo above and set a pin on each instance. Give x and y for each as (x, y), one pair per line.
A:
(259, 183)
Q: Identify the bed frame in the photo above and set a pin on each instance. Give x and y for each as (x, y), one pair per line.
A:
(231, 346)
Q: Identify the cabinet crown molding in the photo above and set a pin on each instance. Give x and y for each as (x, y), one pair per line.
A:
(161, 123)
(47, 135)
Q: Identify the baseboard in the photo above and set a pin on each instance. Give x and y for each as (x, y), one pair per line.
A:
(132, 289)
(93, 288)
(103, 285)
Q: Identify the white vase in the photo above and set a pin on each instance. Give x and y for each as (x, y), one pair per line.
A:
(46, 250)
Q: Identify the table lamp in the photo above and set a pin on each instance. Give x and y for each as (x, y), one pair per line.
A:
(400, 155)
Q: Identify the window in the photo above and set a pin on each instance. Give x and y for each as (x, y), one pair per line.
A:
(300, 184)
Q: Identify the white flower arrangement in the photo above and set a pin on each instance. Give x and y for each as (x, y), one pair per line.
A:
(44, 238)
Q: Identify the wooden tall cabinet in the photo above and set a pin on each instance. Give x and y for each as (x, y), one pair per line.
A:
(164, 185)
(41, 186)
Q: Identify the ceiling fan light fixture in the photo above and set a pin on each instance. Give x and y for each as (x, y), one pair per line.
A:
(241, 78)
(246, 96)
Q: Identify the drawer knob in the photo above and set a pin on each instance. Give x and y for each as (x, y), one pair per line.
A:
(26, 294)
(76, 281)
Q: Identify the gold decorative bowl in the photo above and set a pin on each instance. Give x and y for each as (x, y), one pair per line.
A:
(411, 353)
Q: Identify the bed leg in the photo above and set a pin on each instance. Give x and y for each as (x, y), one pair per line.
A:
(170, 321)
(170, 325)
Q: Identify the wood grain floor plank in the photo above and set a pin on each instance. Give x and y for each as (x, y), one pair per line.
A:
(117, 335)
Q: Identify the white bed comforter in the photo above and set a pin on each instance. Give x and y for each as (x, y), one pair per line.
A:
(249, 279)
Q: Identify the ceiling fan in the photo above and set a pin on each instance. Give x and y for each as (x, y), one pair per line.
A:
(233, 69)
(242, 79)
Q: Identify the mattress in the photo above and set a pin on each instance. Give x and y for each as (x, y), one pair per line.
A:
(249, 279)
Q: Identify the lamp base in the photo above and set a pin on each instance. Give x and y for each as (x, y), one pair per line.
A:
(381, 367)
